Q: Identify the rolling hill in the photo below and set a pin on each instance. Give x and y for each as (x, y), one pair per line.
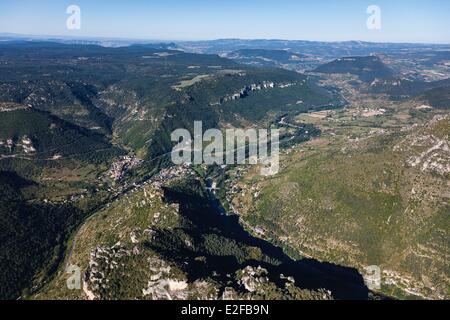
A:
(32, 237)
(401, 89)
(438, 98)
(366, 68)
(38, 135)
(265, 58)
(381, 200)
(130, 92)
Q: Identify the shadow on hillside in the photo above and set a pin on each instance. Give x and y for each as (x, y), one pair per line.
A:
(201, 219)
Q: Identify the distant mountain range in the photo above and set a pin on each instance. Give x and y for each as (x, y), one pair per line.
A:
(270, 57)
(327, 50)
(221, 46)
(99, 41)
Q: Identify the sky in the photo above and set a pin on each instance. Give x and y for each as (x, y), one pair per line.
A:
(321, 20)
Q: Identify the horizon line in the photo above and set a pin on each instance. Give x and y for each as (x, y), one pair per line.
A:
(110, 38)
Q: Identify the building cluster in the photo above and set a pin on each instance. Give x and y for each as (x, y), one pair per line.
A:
(26, 144)
(119, 168)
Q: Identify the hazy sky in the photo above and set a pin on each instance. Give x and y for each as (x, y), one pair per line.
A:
(327, 20)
